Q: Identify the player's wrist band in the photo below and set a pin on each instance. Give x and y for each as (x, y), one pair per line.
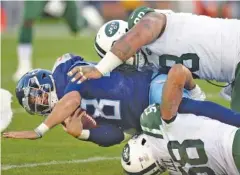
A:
(41, 129)
(196, 89)
(109, 62)
(84, 135)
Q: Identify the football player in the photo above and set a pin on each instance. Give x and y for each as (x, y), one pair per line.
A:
(117, 99)
(181, 143)
(208, 47)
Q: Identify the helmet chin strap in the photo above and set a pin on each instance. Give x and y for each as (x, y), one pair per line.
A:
(53, 99)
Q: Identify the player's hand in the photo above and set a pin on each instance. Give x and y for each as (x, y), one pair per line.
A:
(73, 124)
(82, 73)
(197, 94)
(21, 135)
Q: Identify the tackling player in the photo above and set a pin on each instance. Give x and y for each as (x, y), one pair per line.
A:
(181, 143)
(209, 47)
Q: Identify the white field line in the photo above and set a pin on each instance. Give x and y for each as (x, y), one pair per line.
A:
(29, 165)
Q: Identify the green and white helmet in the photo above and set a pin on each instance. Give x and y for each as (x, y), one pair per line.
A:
(137, 157)
(106, 36)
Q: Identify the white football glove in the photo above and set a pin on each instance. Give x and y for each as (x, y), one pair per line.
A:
(197, 94)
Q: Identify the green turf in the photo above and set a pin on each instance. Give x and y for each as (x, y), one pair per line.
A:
(57, 145)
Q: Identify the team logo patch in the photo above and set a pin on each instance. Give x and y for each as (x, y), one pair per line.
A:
(126, 153)
(112, 28)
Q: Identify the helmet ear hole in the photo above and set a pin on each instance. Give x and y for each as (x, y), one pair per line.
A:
(44, 75)
(126, 30)
(143, 141)
(129, 163)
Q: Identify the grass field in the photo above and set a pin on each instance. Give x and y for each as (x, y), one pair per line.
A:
(57, 153)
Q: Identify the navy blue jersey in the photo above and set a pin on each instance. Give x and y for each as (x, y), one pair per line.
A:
(118, 98)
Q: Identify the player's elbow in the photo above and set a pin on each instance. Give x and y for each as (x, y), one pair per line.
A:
(177, 69)
(74, 99)
(153, 25)
(178, 73)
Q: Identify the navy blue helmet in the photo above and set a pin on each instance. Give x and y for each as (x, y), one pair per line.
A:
(36, 92)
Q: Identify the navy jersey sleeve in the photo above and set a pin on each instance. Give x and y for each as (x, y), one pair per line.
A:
(211, 110)
(84, 88)
(60, 69)
(96, 88)
(106, 135)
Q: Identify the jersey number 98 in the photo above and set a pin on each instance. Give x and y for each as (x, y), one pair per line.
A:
(183, 158)
(190, 60)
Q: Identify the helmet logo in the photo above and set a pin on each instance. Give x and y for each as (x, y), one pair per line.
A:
(126, 153)
(111, 28)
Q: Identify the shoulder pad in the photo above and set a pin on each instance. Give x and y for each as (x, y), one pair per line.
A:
(137, 14)
(61, 60)
(150, 121)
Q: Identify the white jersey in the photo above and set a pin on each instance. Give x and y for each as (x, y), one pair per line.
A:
(190, 143)
(209, 47)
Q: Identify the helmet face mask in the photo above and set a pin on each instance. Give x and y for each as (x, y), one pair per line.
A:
(36, 92)
(37, 100)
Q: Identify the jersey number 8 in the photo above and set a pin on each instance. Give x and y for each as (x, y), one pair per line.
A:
(113, 111)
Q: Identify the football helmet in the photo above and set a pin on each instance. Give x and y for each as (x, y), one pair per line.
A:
(36, 92)
(137, 157)
(108, 34)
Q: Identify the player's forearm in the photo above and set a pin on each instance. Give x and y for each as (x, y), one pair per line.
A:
(106, 135)
(63, 109)
(189, 83)
(172, 91)
(211, 110)
(144, 32)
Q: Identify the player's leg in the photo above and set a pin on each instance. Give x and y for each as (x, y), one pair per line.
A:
(73, 18)
(32, 11)
(235, 103)
(236, 150)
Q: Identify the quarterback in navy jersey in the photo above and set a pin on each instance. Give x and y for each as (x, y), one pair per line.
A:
(115, 101)
(109, 98)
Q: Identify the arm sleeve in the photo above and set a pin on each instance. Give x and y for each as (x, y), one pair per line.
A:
(106, 135)
(83, 88)
(211, 110)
